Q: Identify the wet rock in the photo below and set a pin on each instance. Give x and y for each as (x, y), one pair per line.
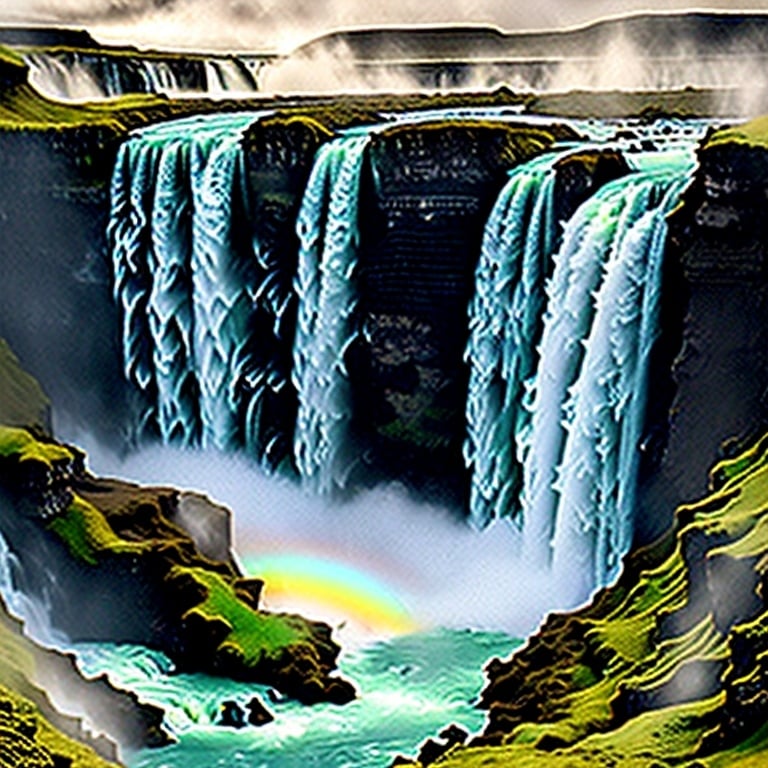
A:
(258, 714)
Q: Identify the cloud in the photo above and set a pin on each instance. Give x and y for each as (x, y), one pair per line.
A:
(278, 24)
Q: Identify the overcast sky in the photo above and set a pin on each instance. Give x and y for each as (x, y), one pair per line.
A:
(281, 24)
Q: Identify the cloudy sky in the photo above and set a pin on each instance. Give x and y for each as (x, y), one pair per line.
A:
(281, 24)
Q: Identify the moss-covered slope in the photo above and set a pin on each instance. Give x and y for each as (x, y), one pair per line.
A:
(667, 667)
(28, 740)
(117, 564)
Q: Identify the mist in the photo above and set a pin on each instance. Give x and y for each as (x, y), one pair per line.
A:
(332, 69)
(443, 571)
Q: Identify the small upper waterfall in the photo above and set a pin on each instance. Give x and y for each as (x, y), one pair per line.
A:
(89, 75)
(218, 328)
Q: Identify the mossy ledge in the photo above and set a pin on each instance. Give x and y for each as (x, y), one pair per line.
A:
(665, 668)
(113, 543)
(28, 740)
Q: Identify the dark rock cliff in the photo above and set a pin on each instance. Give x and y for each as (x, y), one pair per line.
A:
(710, 377)
(115, 563)
(665, 667)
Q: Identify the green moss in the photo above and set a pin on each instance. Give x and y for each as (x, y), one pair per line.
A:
(729, 470)
(10, 57)
(286, 119)
(686, 103)
(87, 534)
(515, 142)
(253, 635)
(19, 443)
(751, 134)
(653, 740)
(27, 739)
(563, 699)
(751, 753)
(702, 642)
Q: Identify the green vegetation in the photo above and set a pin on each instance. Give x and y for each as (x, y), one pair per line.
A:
(252, 636)
(11, 62)
(753, 134)
(653, 740)
(86, 533)
(510, 143)
(20, 444)
(27, 740)
(685, 103)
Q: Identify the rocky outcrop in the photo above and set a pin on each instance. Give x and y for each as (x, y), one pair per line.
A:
(115, 544)
(44, 701)
(427, 196)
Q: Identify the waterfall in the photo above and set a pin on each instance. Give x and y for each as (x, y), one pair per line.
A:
(74, 75)
(226, 76)
(598, 476)
(580, 450)
(189, 277)
(159, 77)
(170, 307)
(326, 326)
(130, 237)
(561, 326)
(62, 80)
(505, 313)
(34, 613)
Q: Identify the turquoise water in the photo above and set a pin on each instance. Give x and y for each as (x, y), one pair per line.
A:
(409, 687)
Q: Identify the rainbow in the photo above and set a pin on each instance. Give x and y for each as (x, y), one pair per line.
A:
(330, 590)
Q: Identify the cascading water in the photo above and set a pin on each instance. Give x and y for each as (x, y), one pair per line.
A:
(580, 451)
(504, 315)
(190, 276)
(74, 75)
(35, 614)
(325, 284)
(63, 80)
(598, 475)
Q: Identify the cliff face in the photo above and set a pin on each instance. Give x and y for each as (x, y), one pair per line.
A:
(667, 666)
(716, 325)
(139, 575)
(31, 678)
(425, 202)
(40, 684)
